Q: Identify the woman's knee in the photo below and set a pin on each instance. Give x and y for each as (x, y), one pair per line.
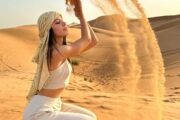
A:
(93, 115)
(73, 116)
(87, 117)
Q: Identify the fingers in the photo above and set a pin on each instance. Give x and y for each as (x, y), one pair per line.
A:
(73, 2)
(77, 7)
(77, 4)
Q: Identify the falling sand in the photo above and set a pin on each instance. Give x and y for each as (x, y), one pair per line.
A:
(136, 75)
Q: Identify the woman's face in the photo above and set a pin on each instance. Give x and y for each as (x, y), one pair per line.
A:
(59, 27)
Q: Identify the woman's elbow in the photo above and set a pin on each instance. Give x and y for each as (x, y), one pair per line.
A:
(94, 42)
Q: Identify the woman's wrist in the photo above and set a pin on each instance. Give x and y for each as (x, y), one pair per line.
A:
(82, 19)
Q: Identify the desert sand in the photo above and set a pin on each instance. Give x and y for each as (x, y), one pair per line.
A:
(96, 82)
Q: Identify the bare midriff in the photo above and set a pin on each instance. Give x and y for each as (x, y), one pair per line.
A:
(54, 93)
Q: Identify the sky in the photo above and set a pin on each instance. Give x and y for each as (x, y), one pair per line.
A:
(24, 12)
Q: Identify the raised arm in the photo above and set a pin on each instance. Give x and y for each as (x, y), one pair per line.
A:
(80, 44)
(94, 40)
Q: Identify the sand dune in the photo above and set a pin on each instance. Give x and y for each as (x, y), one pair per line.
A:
(168, 38)
(165, 28)
(96, 78)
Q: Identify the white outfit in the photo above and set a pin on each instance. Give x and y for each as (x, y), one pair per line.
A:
(47, 108)
(59, 78)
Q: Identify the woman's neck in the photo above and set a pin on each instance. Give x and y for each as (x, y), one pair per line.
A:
(59, 41)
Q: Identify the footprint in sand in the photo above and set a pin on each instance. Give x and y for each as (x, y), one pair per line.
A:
(175, 99)
(171, 101)
(104, 107)
(70, 101)
(85, 88)
(146, 100)
(170, 95)
(13, 110)
(176, 92)
(100, 96)
(88, 102)
(166, 100)
(71, 89)
(175, 88)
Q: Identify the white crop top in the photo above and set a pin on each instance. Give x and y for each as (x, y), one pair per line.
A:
(59, 77)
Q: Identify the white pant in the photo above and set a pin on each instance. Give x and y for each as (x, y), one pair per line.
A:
(47, 108)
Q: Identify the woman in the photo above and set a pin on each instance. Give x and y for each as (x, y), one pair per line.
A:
(54, 68)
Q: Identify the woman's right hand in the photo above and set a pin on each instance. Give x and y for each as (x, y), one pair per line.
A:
(78, 9)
